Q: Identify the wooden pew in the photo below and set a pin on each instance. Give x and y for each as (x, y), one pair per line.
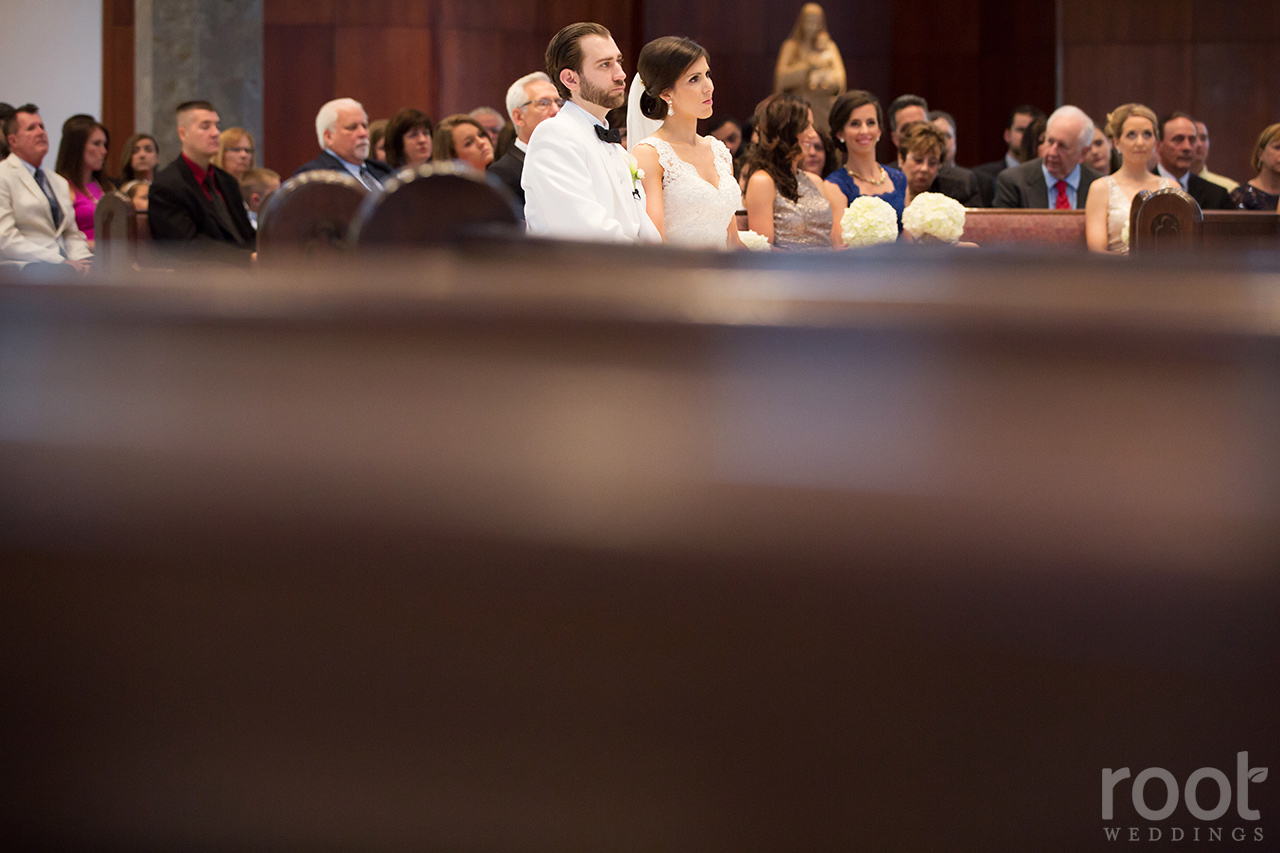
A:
(619, 553)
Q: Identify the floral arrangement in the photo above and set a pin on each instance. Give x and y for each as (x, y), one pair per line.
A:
(869, 221)
(934, 216)
(753, 241)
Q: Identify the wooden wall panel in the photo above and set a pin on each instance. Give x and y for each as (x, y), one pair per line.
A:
(298, 70)
(1213, 60)
(118, 76)
(385, 68)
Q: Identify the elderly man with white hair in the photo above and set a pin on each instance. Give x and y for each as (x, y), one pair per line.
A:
(1059, 180)
(531, 100)
(342, 129)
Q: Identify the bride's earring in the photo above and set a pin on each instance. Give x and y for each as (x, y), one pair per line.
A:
(670, 109)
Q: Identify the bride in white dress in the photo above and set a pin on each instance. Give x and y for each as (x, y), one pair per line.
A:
(1134, 128)
(690, 191)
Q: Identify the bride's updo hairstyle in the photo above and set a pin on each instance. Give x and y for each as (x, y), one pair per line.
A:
(662, 62)
(1117, 117)
(779, 121)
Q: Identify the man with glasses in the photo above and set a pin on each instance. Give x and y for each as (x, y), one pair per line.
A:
(531, 100)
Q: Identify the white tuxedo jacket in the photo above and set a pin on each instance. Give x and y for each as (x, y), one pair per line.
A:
(26, 222)
(579, 188)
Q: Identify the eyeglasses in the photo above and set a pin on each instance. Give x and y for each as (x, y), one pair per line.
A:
(545, 103)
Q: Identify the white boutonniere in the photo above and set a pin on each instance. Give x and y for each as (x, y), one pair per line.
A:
(637, 174)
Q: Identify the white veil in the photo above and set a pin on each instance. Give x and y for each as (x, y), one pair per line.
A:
(639, 127)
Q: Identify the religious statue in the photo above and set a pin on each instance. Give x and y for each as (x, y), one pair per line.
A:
(809, 64)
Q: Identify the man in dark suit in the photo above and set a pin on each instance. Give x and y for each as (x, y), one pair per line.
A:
(1177, 152)
(1019, 120)
(342, 129)
(954, 181)
(531, 100)
(195, 205)
(1059, 180)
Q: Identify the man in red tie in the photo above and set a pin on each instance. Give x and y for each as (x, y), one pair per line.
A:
(1059, 180)
(195, 207)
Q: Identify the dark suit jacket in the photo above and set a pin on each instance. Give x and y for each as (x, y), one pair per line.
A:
(986, 175)
(181, 215)
(381, 171)
(1024, 187)
(1207, 194)
(507, 169)
(958, 183)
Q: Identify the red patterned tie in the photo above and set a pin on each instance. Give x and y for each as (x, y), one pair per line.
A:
(1062, 203)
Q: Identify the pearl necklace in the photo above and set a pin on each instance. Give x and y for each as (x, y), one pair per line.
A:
(883, 176)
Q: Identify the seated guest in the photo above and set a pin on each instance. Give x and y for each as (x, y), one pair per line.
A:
(81, 157)
(857, 122)
(378, 140)
(492, 122)
(921, 150)
(408, 139)
(38, 230)
(531, 100)
(946, 124)
(1263, 191)
(138, 192)
(819, 154)
(195, 206)
(1099, 155)
(954, 181)
(235, 152)
(1133, 127)
(1199, 165)
(729, 131)
(460, 137)
(789, 207)
(1019, 119)
(1059, 180)
(923, 147)
(342, 129)
(904, 110)
(140, 158)
(1177, 151)
(1033, 140)
(255, 186)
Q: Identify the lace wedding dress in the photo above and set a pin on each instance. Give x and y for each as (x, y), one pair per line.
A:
(694, 213)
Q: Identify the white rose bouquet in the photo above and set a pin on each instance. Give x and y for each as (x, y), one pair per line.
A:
(753, 241)
(936, 216)
(869, 221)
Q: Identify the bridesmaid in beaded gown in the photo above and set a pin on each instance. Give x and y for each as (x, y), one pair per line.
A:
(690, 192)
(790, 207)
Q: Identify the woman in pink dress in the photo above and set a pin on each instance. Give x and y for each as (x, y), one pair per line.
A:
(81, 156)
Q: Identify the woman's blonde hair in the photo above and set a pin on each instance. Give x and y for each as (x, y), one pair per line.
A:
(1117, 117)
(1266, 138)
(230, 137)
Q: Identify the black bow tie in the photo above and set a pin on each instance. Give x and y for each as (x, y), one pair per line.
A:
(610, 135)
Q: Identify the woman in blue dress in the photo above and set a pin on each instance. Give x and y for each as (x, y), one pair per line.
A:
(856, 122)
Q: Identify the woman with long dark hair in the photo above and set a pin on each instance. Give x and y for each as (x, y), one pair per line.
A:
(82, 154)
(139, 159)
(789, 207)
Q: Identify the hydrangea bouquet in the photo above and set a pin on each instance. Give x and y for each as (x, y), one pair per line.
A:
(934, 216)
(753, 241)
(869, 221)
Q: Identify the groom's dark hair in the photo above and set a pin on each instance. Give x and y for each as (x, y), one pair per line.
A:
(564, 51)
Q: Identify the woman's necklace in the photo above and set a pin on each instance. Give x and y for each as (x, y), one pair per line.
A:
(880, 180)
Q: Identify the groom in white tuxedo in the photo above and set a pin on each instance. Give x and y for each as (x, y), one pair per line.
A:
(579, 182)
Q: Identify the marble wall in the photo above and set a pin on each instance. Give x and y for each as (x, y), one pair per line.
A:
(198, 50)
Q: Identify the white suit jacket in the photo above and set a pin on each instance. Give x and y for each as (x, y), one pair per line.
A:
(26, 222)
(580, 188)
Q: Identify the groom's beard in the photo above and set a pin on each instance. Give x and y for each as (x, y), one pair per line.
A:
(601, 97)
